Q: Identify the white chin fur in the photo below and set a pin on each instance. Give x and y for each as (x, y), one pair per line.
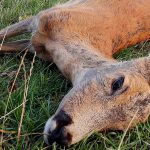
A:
(49, 127)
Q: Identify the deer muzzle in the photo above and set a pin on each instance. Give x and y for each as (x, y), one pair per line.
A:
(55, 129)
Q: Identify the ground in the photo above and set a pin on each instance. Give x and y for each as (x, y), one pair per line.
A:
(45, 90)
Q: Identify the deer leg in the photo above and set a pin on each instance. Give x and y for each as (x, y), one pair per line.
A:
(14, 46)
(26, 44)
(19, 28)
(16, 29)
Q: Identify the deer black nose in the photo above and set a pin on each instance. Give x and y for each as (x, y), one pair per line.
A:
(58, 132)
(62, 119)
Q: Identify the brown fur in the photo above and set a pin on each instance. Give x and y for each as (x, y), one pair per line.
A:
(80, 37)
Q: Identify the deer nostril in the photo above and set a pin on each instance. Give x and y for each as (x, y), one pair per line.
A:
(62, 119)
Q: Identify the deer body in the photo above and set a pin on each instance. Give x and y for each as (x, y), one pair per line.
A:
(80, 37)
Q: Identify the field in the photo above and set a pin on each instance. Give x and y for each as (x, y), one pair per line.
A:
(44, 89)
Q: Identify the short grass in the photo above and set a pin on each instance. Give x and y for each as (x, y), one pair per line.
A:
(46, 88)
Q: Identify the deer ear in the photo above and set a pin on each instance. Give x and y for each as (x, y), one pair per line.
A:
(142, 66)
(43, 24)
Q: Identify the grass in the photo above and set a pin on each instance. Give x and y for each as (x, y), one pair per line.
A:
(46, 88)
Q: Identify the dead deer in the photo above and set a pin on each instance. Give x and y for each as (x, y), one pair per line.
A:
(80, 37)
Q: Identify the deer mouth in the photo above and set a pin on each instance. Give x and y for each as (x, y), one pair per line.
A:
(59, 135)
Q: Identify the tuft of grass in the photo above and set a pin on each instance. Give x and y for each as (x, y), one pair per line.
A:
(46, 88)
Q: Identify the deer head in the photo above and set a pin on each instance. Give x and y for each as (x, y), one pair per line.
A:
(80, 38)
(106, 98)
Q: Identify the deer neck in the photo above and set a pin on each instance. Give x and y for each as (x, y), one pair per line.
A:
(74, 59)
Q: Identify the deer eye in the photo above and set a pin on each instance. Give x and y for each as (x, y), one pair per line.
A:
(117, 84)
